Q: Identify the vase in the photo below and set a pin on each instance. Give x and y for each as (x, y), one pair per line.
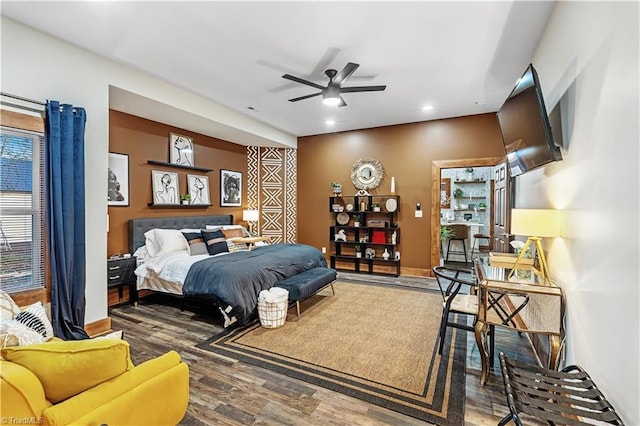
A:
(386, 254)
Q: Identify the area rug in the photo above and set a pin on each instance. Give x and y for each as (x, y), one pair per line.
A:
(377, 343)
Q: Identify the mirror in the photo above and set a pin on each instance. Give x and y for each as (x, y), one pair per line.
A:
(366, 173)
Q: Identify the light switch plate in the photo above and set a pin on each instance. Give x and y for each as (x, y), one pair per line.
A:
(418, 213)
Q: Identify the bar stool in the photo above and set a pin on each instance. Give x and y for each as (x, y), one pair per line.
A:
(477, 237)
(458, 233)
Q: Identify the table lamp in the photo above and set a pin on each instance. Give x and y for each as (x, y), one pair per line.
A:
(535, 224)
(251, 217)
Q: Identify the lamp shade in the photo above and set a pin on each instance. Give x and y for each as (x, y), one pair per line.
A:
(535, 222)
(250, 215)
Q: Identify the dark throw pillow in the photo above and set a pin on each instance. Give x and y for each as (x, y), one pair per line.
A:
(215, 242)
(196, 243)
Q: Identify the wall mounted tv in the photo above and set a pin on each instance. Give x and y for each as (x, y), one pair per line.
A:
(525, 127)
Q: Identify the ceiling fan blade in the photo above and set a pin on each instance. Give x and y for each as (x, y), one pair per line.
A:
(302, 81)
(305, 97)
(345, 73)
(342, 102)
(362, 89)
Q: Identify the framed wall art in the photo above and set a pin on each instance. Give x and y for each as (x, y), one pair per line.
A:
(181, 150)
(118, 180)
(198, 189)
(230, 188)
(165, 187)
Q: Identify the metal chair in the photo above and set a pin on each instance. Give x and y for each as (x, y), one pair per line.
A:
(454, 302)
(458, 233)
(477, 237)
(563, 397)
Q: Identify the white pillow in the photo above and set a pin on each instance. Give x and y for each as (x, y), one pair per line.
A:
(163, 241)
(35, 317)
(13, 333)
(212, 227)
(8, 308)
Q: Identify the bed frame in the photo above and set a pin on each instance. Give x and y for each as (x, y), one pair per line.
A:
(137, 227)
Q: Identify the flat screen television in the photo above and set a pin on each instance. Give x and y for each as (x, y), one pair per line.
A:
(525, 127)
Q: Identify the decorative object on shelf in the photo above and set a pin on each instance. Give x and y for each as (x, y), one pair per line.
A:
(358, 252)
(366, 173)
(377, 223)
(118, 180)
(364, 239)
(336, 188)
(482, 205)
(185, 199)
(349, 207)
(391, 204)
(251, 216)
(165, 187)
(535, 224)
(340, 236)
(397, 255)
(181, 150)
(375, 207)
(457, 194)
(386, 254)
(230, 188)
(363, 206)
(337, 208)
(379, 237)
(198, 189)
(356, 220)
(369, 253)
(393, 185)
(469, 171)
(393, 237)
(342, 218)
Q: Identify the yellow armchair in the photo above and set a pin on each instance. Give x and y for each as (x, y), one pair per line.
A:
(90, 382)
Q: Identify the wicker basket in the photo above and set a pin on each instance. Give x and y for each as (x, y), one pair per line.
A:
(273, 314)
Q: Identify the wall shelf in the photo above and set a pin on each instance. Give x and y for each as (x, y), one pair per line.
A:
(165, 164)
(179, 206)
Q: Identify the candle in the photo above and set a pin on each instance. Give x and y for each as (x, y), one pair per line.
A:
(393, 185)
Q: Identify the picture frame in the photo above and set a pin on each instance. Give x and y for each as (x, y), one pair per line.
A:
(165, 187)
(230, 188)
(181, 150)
(198, 187)
(118, 180)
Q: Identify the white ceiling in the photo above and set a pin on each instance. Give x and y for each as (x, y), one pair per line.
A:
(460, 57)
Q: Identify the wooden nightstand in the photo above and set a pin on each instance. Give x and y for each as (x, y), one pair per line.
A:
(120, 272)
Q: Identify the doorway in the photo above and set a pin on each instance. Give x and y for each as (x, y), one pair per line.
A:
(436, 174)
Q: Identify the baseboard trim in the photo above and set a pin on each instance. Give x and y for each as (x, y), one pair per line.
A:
(98, 327)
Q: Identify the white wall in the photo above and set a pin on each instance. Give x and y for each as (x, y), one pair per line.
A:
(37, 66)
(587, 59)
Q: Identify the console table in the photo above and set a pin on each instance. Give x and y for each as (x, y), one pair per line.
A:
(521, 304)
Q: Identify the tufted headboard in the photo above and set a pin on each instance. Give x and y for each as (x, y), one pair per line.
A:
(137, 227)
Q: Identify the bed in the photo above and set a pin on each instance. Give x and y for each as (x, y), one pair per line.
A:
(229, 281)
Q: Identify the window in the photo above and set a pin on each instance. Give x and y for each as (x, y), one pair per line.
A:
(22, 253)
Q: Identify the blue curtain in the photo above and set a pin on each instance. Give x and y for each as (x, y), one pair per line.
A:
(64, 164)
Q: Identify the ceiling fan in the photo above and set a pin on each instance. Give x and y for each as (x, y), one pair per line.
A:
(331, 94)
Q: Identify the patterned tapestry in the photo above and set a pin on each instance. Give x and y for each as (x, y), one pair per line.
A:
(271, 188)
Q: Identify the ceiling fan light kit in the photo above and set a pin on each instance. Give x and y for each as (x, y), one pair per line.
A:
(331, 94)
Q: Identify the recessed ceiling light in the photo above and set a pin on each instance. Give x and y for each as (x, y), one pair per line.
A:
(252, 108)
(427, 108)
(480, 103)
(330, 122)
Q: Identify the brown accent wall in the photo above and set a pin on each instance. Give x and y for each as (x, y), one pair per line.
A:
(146, 140)
(406, 152)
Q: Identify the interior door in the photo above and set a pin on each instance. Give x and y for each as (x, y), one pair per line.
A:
(501, 210)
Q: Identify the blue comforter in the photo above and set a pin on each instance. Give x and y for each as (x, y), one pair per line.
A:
(235, 280)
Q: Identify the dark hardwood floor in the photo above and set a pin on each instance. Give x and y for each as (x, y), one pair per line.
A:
(228, 392)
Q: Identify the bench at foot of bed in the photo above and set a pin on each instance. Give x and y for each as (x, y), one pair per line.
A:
(308, 283)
